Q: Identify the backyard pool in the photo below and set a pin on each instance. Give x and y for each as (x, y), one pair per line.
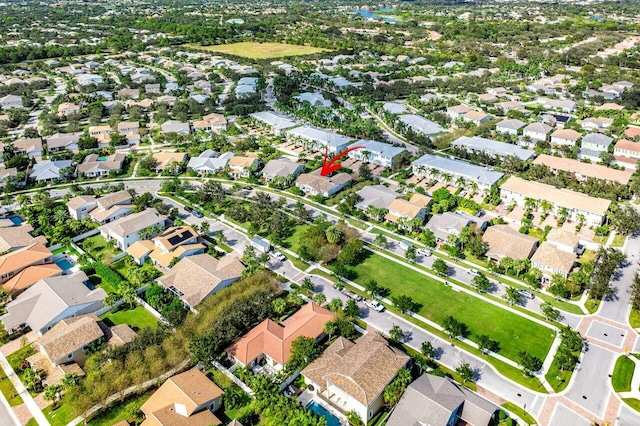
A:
(17, 220)
(321, 411)
(64, 264)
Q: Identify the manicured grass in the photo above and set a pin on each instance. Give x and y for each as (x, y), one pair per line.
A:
(292, 242)
(32, 422)
(99, 249)
(623, 374)
(58, 417)
(16, 358)
(634, 318)
(633, 403)
(97, 281)
(120, 266)
(138, 318)
(592, 305)
(514, 332)
(124, 410)
(519, 412)
(8, 390)
(298, 263)
(557, 378)
(618, 240)
(260, 50)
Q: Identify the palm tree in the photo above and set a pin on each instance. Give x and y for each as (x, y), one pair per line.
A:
(447, 177)
(333, 234)
(460, 182)
(546, 206)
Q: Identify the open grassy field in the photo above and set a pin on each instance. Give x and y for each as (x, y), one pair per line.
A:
(514, 332)
(260, 50)
(622, 374)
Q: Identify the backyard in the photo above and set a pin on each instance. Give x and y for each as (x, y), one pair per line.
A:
(136, 318)
(124, 410)
(59, 416)
(98, 248)
(260, 50)
(481, 317)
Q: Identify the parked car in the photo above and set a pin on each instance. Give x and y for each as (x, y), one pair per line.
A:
(424, 252)
(247, 188)
(375, 305)
(351, 295)
(404, 245)
(187, 209)
(473, 272)
(197, 214)
(525, 293)
(281, 257)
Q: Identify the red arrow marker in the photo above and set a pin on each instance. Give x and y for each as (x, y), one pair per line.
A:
(330, 167)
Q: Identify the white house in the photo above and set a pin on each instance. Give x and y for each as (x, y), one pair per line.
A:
(511, 127)
(537, 131)
(565, 137)
(319, 140)
(126, 229)
(10, 101)
(380, 153)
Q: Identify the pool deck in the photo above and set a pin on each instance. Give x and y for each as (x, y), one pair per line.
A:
(307, 396)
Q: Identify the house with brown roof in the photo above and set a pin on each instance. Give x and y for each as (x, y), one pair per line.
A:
(352, 376)
(504, 241)
(626, 153)
(17, 237)
(565, 137)
(186, 399)
(550, 260)
(195, 277)
(216, 122)
(271, 342)
(29, 276)
(31, 147)
(564, 240)
(583, 170)
(112, 207)
(80, 206)
(315, 184)
(172, 161)
(176, 242)
(242, 166)
(16, 261)
(632, 132)
(414, 208)
(94, 165)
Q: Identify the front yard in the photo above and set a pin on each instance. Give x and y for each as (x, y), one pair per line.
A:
(514, 332)
(136, 318)
(59, 416)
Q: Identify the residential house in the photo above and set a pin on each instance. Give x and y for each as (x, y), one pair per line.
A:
(276, 123)
(176, 242)
(128, 126)
(394, 108)
(126, 229)
(458, 111)
(270, 342)
(352, 376)
(537, 131)
(209, 162)
(593, 145)
(476, 117)
(177, 127)
(401, 210)
(173, 161)
(318, 140)
(98, 131)
(551, 261)
(449, 170)
(563, 240)
(67, 108)
(128, 93)
(216, 122)
(439, 401)
(379, 153)
(375, 196)
(51, 300)
(281, 168)
(186, 399)
(497, 91)
(10, 173)
(566, 106)
(80, 206)
(152, 88)
(504, 241)
(517, 190)
(10, 101)
(31, 147)
(242, 166)
(63, 141)
(492, 148)
(314, 99)
(582, 170)
(96, 166)
(50, 171)
(632, 132)
(315, 184)
(626, 153)
(17, 237)
(111, 207)
(246, 86)
(511, 127)
(421, 125)
(29, 276)
(448, 223)
(565, 137)
(15, 261)
(195, 277)
(595, 124)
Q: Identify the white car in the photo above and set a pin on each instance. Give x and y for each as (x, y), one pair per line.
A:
(424, 252)
(473, 272)
(281, 257)
(376, 306)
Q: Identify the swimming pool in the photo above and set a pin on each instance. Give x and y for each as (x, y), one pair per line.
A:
(17, 220)
(321, 411)
(64, 264)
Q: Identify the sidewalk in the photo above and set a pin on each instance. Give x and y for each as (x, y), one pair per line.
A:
(22, 391)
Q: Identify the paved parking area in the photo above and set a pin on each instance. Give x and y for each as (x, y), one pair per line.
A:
(606, 333)
(565, 416)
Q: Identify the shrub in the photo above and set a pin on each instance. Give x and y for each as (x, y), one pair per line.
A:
(109, 275)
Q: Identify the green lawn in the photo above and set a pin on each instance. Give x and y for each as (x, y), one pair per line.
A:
(58, 417)
(514, 332)
(622, 374)
(618, 240)
(136, 318)
(519, 412)
(633, 403)
(255, 50)
(98, 248)
(32, 422)
(124, 410)
(557, 378)
(292, 242)
(634, 318)
(97, 281)
(9, 391)
(16, 358)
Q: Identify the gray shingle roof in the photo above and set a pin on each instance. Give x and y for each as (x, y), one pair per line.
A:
(459, 168)
(492, 147)
(421, 124)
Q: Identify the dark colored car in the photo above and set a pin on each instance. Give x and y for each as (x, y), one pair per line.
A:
(187, 209)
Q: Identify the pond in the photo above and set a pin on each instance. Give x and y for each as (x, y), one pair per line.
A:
(367, 14)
